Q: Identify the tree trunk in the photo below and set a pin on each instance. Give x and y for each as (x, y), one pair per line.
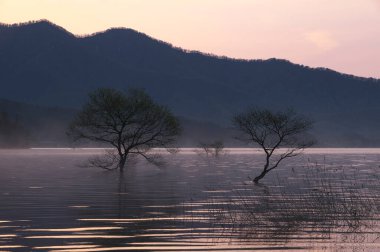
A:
(122, 163)
(264, 172)
(262, 175)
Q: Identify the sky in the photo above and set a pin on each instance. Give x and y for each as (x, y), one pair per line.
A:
(343, 35)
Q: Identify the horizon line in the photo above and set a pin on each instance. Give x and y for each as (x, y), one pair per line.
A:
(189, 51)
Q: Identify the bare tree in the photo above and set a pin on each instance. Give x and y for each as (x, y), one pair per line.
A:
(281, 135)
(214, 148)
(132, 123)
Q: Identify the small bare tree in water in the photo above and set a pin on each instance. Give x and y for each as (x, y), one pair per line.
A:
(213, 149)
(281, 135)
(132, 123)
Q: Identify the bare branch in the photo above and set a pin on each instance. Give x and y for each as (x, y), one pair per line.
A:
(131, 123)
(272, 131)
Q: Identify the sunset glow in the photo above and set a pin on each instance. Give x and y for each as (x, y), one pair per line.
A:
(342, 34)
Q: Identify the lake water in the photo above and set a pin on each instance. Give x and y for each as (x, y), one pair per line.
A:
(323, 200)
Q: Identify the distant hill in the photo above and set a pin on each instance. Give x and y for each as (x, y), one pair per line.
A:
(43, 64)
(43, 126)
(40, 126)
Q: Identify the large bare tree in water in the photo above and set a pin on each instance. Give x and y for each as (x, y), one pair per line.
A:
(280, 135)
(132, 123)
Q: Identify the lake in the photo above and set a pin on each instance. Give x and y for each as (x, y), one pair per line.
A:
(323, 200)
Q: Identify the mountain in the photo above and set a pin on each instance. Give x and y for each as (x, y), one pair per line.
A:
(41, 126)
(43, 64)
(23, 125)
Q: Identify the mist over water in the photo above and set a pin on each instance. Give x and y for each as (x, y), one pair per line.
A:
(324, 200)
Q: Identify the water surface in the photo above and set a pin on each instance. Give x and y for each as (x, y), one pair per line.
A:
(324, 200)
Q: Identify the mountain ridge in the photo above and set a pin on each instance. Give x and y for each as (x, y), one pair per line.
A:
(47, 23)
(44, 64)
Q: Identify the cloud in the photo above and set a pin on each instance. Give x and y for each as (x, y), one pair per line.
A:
(321, 39)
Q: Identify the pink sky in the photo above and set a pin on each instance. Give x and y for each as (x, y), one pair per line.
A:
(340, 34)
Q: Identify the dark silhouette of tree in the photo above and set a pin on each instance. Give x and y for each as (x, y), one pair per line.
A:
(132, 123)
(213, 148)
(281, 135)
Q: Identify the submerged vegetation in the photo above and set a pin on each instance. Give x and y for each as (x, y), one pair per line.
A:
(313, 206)
(203, 201)
(215, 148)
(314, 203)
(272, 131)
(130, 123)
(311, 203)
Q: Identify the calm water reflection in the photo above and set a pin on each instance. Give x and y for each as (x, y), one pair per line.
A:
(326, 200)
